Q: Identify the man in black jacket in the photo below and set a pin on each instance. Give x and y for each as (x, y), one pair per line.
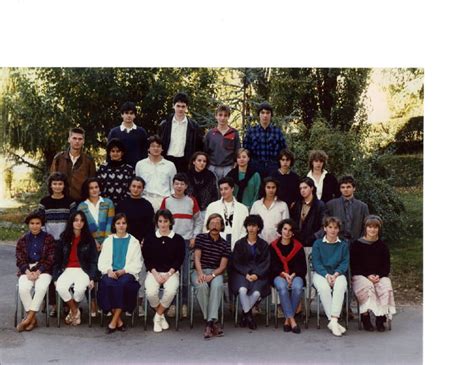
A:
(181, 135)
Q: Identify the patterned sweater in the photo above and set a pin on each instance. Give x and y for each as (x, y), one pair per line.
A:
(101, 230)
(114, 179)
(57, 212)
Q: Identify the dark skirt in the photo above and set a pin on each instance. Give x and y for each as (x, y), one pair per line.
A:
(120, 293)
(238, 281)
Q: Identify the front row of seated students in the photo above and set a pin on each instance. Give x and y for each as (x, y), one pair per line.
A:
(255, 266)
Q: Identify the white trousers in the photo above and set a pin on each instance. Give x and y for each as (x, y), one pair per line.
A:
(332, 302)
(33, 302)
(72, 276)
(170, 288)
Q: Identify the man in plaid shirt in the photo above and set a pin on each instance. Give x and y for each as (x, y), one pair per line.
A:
(264, 141)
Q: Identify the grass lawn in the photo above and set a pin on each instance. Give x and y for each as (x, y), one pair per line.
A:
(407, 254)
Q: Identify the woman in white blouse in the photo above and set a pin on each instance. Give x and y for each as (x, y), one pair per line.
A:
(326, 184)
(271, 209)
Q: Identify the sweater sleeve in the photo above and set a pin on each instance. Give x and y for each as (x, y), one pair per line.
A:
(22, 255)
(148, 252)
(356, 262)
(301, 267)
(239, 258)
(105, 258)
(255, 182)
(134, 259)
(46, 262)
(58, 259)
(385, 261)
(344, 264)
(93, 256)
(197, 218)
(263, 264)
(179, 253)
(110, 217)
(275, 265)
(317, 260)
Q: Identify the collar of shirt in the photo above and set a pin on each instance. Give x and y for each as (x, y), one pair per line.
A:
(351, 200)
(184, 121)
(72, 158)
(123, 128)
(269, 127)
(159, 235)
(326, 241)
(115, 235)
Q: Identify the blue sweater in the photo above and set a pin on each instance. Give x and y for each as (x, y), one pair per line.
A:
(135, 142)
(328, 258)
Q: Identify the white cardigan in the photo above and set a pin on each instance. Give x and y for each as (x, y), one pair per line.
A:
(133, 260)
(240, 213)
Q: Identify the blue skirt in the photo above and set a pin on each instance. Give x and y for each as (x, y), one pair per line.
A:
(118, 294)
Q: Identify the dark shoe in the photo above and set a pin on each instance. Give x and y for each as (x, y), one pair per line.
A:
(252, 322)
(296, 329)
(366, 323)
(217, 330)
(122, 328)
(286, 328)
(208, 333)
(379, 323)
(109, 330)
(243, 320)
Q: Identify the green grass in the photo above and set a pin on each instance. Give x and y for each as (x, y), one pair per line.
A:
(407, 254)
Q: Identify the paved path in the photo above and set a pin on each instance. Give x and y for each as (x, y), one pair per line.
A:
(402, 345)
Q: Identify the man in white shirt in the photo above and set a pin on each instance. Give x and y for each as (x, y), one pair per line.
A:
(233, 212)
(157, 172)
(181, 135)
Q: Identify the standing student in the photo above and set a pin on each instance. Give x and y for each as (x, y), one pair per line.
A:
(233, 212)
(271, 209)
(181, 135)
(349, 210)
(187, 223)
(56, 207)
(75, 264)
(157, 172)
(264, 141)
(330, 258)
(115, 174)
(34, 259)
(133, 137)
(120, 262)
(202, 182)
(326, 184)
(74, 163)
(221, 143)
(163, 253)
(246, 178)
(289, 180)
(211, 256)
(370, 266)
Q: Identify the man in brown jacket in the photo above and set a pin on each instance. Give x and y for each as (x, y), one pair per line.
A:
(74, 163)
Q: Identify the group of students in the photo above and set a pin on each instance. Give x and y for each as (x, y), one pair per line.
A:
(159, 203)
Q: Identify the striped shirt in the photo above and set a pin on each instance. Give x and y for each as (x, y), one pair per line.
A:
(186, 214)
(56, 212)
(211, 251)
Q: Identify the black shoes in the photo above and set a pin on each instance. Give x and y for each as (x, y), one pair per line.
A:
(379, 323)
(286, 328)
(243, 320)
(296, 329)
(251, 321)
(366, 323)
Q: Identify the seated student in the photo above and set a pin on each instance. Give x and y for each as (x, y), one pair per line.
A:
(34, 259)
(288, 272)
(115, 174)
(271, 209)
(99, 211)
(75, 264)
(221, 143)
(132, 136)
(163, 253)
(120, 262)
(250, 266)
(56, 207)
(202, 182)
(327, 187)
(330, 258)
(289, 180)
(211, 254)
(370, 266)
(246, 178)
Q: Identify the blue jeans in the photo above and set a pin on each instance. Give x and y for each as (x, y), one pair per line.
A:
(289, 297)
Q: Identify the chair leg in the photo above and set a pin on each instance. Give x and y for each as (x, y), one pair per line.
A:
(275, 312)
(306, 318)
(347, 308)
(236, 310)
(17, 298)
(145, 311)
(191, 317)
(359, 324)
(178, 311)
(389, 324)
(318, 319)
(89, 307)
(267, 310)
(58, 309)
(47, 308)
(222, 309)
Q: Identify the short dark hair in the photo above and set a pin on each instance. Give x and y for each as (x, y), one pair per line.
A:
(85, 187)
(308, 181)
(223, 108)
(195, 156)
(254, 220)
(154, 139)
(137, 178)
(128, 106)
(58, 176)
(77, 130)
(116, 218)
(226, 180)
(265, 106)
(288, 154)
(115, 142)
(290, 222)
(211, 217)
(317, 155)
(347, 179)
(328, 220)
(35, 214)
(181, 98)
(166, 213)
(267, 180)
(181, 176)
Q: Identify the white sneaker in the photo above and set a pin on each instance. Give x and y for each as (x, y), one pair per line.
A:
(341, 328)
(184, 311)
(157, 323)
(334, 328)
(141, 311)
(128, 314)
(164, 324)
(172, 311)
